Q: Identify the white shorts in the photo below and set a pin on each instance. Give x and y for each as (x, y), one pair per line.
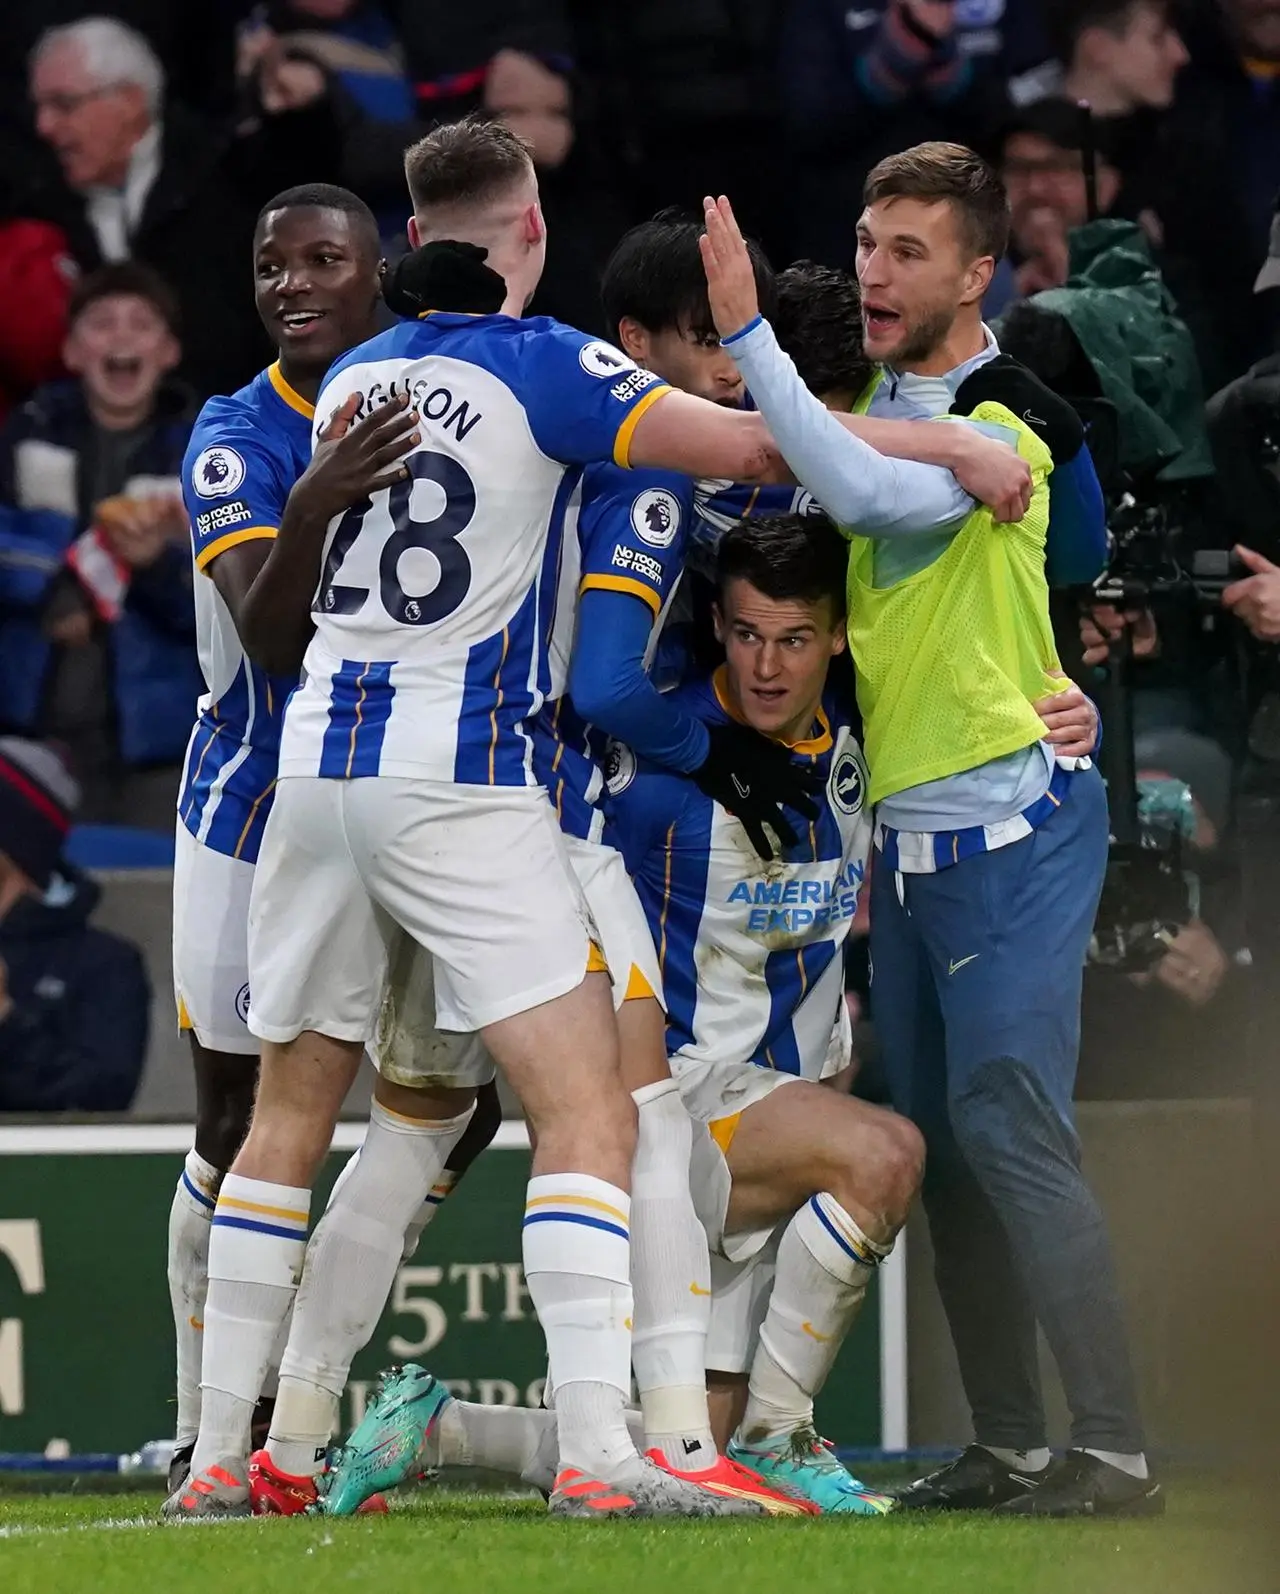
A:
(740, 1294)
(409, 1049)
(712, 1090)
(624, 933)
(478, 875)
(716, 1096)
(210, 956)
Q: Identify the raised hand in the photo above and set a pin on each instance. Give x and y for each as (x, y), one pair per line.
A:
(731, 279)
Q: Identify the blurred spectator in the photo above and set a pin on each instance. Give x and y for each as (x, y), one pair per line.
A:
(1119, 55)
(1221, 150)
(97, 631)
(861, 82)
(1128, 60)
(350, 49)
(583, 213)
(142, 180)
(1152, 1034)
(1040, 156)
(36, 273)
(1244, 429)
(1040, 162)
(74, 1001)
(686, 104)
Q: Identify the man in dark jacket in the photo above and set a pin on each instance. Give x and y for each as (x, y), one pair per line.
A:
(138, 179)
(97, 645)
(74, 1001)
(860, 82)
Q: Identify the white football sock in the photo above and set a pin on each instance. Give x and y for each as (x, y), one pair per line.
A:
(1022, 1460)
(256, 1247)
(350, 1267)
(440, 1190)
(190, 1218)
(824, 1265)
(577, 1265)
(1134, 1465)
(519, 1441)
(671, 1277)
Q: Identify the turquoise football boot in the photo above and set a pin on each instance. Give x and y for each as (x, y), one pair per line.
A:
(391, 1444)
(802, 1464)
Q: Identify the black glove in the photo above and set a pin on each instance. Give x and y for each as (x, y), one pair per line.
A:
(753, 778)
(1006, 381)
(444, 275)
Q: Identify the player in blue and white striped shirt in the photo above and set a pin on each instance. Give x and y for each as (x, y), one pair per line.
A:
(752, 961)
(316, 278)
(406, 801)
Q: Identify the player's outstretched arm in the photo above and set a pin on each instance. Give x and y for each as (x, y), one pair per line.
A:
(698, 438)
(352, 460)
(878, 493)
(991, 471)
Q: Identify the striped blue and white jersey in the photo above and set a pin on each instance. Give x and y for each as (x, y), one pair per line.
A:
(245, 454)
(751, 950)
(438, 597)
(632, 530)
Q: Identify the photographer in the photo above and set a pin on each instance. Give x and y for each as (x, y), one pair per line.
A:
(1148, 1034)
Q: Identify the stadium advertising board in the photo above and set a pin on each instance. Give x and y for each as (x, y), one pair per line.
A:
(86, 1339)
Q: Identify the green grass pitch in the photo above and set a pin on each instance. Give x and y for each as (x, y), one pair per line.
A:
(471, 1543)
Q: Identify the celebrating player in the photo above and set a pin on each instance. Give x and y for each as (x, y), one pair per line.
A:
(248, 475)
(405, 798)
(631, 535)
(991, 850)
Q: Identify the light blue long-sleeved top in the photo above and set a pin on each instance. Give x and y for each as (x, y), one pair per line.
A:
(916, 510)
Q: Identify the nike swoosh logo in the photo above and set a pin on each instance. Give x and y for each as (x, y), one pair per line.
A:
(196, 1324)
(812, 1332)
(743, 791)
(1033, 420)
(959, 963)
(1024, 1483)
(696, 1289)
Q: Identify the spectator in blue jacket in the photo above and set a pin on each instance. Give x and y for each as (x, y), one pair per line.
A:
(74, 1001)
(863, 81)
(97, 629)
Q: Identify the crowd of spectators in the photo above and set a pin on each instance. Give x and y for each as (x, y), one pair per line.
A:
(138, 140)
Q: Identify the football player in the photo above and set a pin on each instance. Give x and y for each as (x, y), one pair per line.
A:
(405, 798)
(248, 472)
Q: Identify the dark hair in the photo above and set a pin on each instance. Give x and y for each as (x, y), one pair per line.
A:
(951, 172)
(465, 162)
(1066, 20)
(1059, 122)
(798, 557)
(656, 277)
(125, 277)
(326, 196)
(818, 322)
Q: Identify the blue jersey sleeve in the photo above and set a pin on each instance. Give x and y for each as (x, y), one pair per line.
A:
(235, 480)
(611, 688)
(1076, 542)
(632, 529)
(583, 397)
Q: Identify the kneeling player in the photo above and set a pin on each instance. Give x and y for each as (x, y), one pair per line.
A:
(752, 959)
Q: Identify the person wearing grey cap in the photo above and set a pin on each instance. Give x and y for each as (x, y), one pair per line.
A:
(74, 1000)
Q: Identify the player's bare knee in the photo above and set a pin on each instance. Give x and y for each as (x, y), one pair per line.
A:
(900, 1160)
